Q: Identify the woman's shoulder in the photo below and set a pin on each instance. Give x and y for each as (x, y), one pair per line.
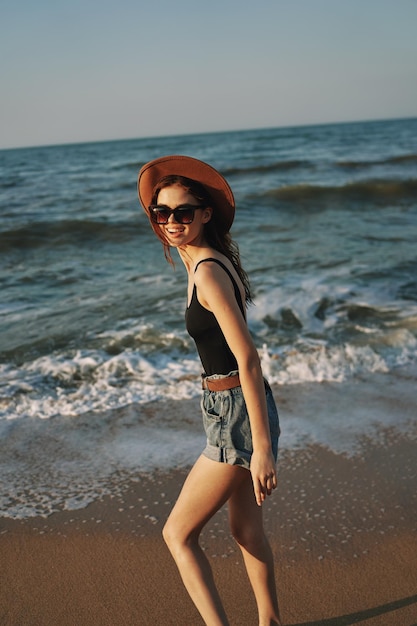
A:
(213, 262)
(217, 270)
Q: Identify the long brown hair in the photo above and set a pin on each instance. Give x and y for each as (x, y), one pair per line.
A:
(216, 235)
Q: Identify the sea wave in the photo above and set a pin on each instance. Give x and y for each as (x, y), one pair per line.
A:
(276, 166)
(67, 232)
(397, 160)
(306, 164)
(380, 192)
(95, 380)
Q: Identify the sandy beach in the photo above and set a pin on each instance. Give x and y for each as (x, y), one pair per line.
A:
(342, 528)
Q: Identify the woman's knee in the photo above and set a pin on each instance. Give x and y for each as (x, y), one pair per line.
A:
(176, 536)
(248, 536)
(170, 535)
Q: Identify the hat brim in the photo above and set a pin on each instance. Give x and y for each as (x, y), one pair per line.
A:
(211, 179)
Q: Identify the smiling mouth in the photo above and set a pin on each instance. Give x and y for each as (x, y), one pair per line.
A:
(175, 231)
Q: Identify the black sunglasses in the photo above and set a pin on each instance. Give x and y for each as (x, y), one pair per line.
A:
(183, 214)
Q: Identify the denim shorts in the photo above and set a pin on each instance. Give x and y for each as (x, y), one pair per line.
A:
(227, 426)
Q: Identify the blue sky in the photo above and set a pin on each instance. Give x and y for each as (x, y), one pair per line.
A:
(90, 70)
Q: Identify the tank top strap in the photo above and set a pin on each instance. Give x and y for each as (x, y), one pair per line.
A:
(232, 278)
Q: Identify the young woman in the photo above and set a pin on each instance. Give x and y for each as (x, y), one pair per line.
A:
(191, 208)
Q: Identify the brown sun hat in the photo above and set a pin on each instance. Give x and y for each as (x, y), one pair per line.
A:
(211, 179)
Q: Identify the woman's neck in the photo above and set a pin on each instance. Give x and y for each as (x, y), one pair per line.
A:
(191, 255)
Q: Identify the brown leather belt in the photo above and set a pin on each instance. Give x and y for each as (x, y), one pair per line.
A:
(220, 384)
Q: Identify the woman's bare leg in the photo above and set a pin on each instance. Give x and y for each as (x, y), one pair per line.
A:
(246, 524)
(208, 486)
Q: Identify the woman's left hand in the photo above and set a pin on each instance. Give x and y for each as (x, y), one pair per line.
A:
(264, 477)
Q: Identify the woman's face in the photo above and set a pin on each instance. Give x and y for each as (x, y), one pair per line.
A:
(175, 233)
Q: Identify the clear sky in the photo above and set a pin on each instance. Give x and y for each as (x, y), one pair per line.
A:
(86, 70)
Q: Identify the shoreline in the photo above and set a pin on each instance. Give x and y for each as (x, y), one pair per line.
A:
(70, 461)
(342, 529)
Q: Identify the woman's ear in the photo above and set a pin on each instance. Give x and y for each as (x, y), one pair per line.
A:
(207, 213)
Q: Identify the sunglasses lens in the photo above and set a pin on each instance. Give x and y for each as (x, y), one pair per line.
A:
(184, 216)
(160, 216)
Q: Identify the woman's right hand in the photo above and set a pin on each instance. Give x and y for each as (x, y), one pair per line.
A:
(264, 476)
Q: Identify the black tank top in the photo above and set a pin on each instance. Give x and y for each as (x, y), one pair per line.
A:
(215, 354)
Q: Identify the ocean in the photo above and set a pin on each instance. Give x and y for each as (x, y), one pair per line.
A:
(99, 380)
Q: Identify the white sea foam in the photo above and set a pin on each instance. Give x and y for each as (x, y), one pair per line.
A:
(93, 381)
(87, 381)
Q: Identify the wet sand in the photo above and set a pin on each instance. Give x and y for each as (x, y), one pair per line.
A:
(342, 529)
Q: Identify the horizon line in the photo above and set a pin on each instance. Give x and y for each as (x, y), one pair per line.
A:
(212, 132)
